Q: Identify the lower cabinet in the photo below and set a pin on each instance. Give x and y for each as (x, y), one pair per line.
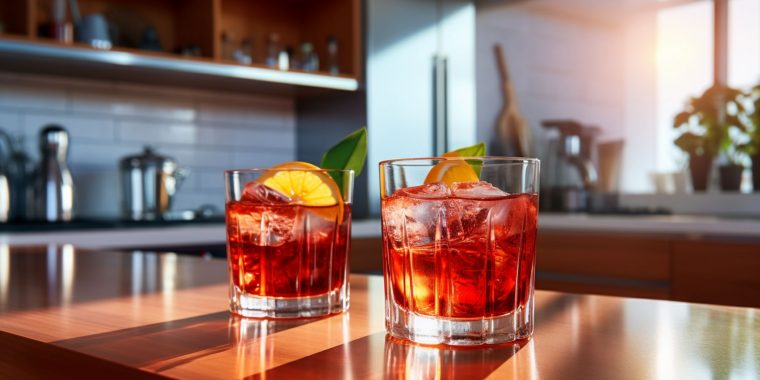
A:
(717, 272)
(630, 266)
(693, 269)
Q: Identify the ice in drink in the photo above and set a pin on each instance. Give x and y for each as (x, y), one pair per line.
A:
(280, 249)
(465, 251)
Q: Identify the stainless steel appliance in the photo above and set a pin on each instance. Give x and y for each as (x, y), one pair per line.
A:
(54, 186)
(149, 183)
(570, 172)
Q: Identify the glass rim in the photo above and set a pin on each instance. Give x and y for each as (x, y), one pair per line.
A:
(505, 160)
(262, 170)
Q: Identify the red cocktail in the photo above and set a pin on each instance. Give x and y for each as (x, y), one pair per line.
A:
(288, 237)
(271, 254)
(459, 257)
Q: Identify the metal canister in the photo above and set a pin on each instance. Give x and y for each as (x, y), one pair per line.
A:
(149, 183)
(54, 188)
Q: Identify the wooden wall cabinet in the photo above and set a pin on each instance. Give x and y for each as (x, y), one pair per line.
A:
(206, 24)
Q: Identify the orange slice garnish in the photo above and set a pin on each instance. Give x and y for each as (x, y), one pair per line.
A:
(306, 185)
(450, 171)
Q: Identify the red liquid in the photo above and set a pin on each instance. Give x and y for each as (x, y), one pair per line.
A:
(459, 257)
(287, 250)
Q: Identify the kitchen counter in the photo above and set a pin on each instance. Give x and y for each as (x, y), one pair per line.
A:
(648, 224)
(70, 314)
(186, 234)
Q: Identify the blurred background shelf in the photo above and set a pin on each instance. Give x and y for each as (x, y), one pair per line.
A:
(157, 68)
(190, 40)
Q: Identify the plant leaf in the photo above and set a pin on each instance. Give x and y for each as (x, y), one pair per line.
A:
(348, 154)
(681, 118)
(477, 150)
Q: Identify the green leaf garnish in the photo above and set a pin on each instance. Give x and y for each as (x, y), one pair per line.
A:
(348, 154)
(477, 150)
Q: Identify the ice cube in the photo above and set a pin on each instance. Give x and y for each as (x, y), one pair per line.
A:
(411, 222)
(518, 214)
(476, 190)
(427, 191)
(259, 193)
(252, 222)
(479, 204)
(279, 226)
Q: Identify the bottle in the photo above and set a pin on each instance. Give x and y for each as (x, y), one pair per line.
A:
(283, 59)
(309, 58)
(243, 54)
(227, 51)
(332, 55)
(54, 190)
(273, 51)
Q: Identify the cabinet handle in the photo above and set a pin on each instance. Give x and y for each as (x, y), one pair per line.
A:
(440, 105)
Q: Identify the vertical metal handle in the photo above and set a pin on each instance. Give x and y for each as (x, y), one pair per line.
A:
(440, 105)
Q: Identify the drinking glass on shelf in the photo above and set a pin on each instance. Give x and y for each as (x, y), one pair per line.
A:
(287, 256)
(459, 238)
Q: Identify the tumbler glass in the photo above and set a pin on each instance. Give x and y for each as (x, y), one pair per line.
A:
(288, 257)
(459, 243)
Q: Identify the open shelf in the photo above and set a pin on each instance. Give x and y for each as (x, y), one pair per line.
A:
(202, 25)
(142, 67)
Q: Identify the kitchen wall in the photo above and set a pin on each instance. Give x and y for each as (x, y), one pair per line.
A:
(563, 66)
(206, 132)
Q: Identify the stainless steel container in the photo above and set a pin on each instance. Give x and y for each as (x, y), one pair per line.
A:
(54, 187)
(149, 183)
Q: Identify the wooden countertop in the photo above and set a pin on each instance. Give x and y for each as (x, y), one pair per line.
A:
(65, 313)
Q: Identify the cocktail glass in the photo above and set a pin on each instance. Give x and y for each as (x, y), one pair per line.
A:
(288, 257)
(459, 257)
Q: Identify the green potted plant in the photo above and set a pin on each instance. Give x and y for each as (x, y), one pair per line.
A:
(752, 146)
(705, 127)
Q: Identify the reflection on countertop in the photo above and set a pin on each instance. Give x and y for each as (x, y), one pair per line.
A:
(101, 224)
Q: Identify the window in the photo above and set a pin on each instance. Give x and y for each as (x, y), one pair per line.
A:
(684, 69)
(743, 43)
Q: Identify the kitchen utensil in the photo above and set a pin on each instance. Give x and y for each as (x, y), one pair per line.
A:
(511, 128)
(93, 30)
(149, 183)
(20, 170)
(610, 159)
(54, 185)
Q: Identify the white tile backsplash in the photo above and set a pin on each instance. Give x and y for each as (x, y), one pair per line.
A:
(34, 96)
(133, 104)
(158, 131)
(79, 127)
(561, 68)
(10, 121)
(206, 132)
(256, 112)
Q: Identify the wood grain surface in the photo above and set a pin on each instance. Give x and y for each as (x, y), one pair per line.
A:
(70, 314)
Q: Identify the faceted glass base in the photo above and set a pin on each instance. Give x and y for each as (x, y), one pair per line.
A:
(425, 329)
(248, 305)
